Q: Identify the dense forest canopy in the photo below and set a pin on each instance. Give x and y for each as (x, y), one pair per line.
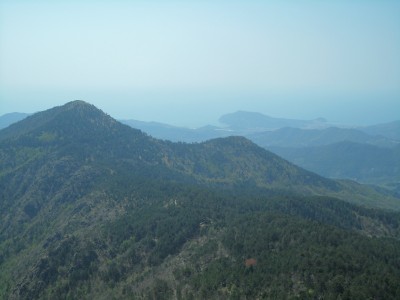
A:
(93, 209)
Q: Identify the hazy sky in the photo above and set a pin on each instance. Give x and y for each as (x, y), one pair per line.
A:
(188, 62)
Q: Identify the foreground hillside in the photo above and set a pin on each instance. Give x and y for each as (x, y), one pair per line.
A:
(93, 209)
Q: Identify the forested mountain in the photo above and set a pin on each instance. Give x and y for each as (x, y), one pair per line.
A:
(93, 209)
(83, 131)
(367, 155)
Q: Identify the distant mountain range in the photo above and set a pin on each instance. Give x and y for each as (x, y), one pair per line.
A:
(268, 131)
(253, 122)
(10, 118)
(178, 134)
(390, 130)
(369, 157)
(236, 124)
(91, 208)
(298, 138)
(360, 162)
(264, 130)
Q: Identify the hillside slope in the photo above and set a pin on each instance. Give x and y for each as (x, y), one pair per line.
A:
(91, 208)
(364, 163)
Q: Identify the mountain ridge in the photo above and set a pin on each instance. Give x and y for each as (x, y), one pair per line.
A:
(244, 120)
(299, 138)
(386, 132)
(85, 130)
(364, 163)
(390, 130)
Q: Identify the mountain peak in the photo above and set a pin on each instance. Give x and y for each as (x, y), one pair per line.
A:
(79, 107)
(76, 104)
(72, 119)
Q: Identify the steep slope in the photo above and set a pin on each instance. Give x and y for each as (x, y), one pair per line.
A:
(92, 209)
(238, 160)
(69, 147)
(75, 120)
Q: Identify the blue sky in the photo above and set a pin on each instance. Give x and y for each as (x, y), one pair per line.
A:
(188, 62)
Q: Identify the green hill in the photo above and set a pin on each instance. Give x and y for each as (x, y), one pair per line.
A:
(93, 209)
